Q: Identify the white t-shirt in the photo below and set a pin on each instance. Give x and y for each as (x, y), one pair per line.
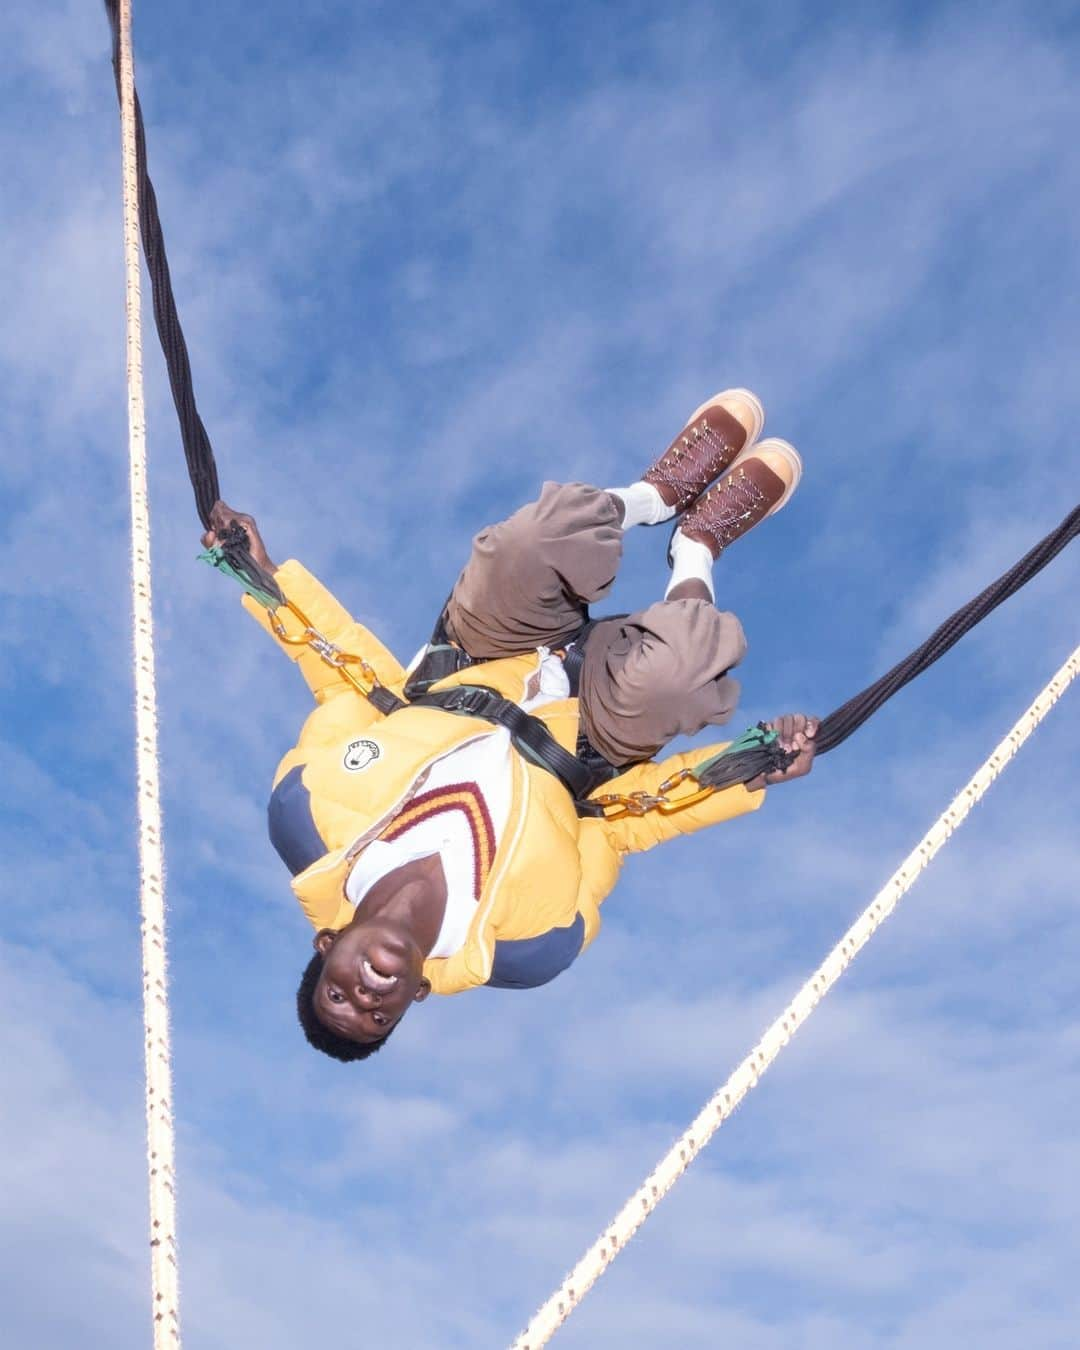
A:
(460, 815)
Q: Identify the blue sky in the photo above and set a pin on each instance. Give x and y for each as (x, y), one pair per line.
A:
(427, 257)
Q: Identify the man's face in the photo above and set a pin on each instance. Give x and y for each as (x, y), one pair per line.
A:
(372, 972)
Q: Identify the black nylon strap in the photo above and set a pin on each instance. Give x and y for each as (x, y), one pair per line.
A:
(574, 659)
(839, 724)
(579, 773)
(202, 468)
(528, 733)
(386, 702)
(440, 660)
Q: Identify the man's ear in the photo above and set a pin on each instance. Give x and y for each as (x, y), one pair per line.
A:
(423, 989)
(324, 940)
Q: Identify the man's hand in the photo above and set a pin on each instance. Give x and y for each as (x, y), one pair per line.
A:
(221, 517)
(794, 731)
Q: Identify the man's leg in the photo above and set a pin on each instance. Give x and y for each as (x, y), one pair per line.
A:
(663, 672)
(658, 674)
(530, 579)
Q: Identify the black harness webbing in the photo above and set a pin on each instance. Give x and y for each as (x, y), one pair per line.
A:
(529, 735)
(580, 773)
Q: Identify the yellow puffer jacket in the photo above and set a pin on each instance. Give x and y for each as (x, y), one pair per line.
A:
(353, 770)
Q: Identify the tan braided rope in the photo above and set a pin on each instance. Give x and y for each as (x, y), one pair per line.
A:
(159, 1125)
(721, 1105)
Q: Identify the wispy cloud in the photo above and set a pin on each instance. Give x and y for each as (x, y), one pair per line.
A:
(425, 260)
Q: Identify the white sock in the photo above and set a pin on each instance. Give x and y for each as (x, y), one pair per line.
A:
(690, 561)
(644, 505)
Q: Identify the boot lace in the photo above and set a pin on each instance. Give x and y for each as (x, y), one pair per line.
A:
(729, 510)
(693, 461)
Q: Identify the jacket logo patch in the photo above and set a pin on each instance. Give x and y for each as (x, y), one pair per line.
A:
(360, 755)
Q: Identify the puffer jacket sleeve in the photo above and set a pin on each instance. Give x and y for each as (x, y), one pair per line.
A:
(635, 834)
(335, 623)
(601, 862)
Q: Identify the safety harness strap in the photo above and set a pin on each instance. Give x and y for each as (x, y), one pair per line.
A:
(441, 659)
(530, 736)
(579, 773)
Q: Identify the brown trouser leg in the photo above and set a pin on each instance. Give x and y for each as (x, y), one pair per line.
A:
(654, 675)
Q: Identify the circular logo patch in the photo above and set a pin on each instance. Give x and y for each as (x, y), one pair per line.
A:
(360, 755)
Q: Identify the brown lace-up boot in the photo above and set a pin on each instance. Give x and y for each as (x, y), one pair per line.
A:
(725, 425)
(758, 484)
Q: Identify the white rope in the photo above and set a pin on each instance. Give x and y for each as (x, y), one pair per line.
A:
(159, 1125)
(721, 1105)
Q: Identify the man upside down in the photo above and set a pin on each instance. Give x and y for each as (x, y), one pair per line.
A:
(432, 851)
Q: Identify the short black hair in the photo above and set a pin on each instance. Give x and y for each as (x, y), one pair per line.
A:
(322, 1038)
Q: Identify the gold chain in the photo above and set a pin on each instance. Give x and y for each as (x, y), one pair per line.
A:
(617, 805)
(359, 673)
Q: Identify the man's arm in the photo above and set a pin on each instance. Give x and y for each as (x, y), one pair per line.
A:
(635, 834)
(322, 610)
